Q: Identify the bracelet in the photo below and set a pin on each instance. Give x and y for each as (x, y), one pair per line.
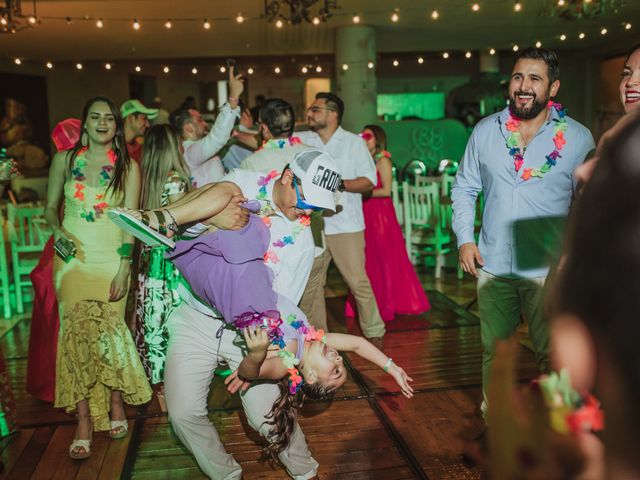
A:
(387, 365)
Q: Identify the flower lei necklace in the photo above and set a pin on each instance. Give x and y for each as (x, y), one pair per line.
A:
(271, 321)
(515, 140)
(303, 221)
(382, 154)
(105, 177)
(280, 143)
(569, 412)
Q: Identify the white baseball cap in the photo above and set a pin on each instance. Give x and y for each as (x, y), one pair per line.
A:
(320, 177)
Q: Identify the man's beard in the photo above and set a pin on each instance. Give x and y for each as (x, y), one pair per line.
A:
(531, 112)
(317, 126)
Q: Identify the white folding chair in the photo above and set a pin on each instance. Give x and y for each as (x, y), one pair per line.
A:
(26, 246)
(427, 224)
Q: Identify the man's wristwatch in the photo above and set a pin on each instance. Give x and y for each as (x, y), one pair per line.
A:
(341, 187)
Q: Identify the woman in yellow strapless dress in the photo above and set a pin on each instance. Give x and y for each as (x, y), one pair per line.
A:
(97, 363)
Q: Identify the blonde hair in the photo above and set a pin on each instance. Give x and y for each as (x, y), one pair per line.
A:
(161, 156)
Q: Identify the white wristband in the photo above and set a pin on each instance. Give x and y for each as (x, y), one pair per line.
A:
(387, 365)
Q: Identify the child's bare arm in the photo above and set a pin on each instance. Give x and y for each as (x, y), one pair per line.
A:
(255, 364)
(365, 349)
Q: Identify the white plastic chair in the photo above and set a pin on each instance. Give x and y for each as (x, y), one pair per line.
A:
(427, 224)
(4, 272)
(26, 246)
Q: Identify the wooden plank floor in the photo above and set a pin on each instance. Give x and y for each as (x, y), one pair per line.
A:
(369, 431)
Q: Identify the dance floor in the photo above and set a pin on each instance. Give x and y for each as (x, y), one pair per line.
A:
(369, 431)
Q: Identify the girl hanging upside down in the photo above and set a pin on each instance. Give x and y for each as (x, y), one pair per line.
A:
(226, 270)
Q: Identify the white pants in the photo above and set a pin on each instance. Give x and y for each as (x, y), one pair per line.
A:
(193, 354)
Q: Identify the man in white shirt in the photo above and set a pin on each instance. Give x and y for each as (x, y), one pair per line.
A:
(344, 231)
(198, 340)
(200, 144)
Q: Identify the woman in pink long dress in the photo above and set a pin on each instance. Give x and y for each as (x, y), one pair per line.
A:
(394, 281)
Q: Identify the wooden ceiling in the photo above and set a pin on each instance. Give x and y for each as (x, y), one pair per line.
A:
(496, 25)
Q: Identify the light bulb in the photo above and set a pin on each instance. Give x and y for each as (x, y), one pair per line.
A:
(168, 25)
(165, 69)
(396, 63)
(250, 71)
(356, 19)
(136, 25)
(79, 66)
(516, 48)
(318, 69)
(194, 70)
(279, 23)
(563, 37)
(17, 61)
(32, 20)
(395, 17)
(538, 44)
(435, 15)
(467, 55)
(603, 31)
(492, 51)
(420, 60)
(475, 7)
(99, 23)
(315, 21)
(49, 65)
(345, 67)
(517, 7)
(581, 36)
(206, 25)
(240, 18)
(305, 69)
(445, 55)
(370, 65)
(107, 66)
(627, 26)
(561, 3)
(277, 69)
(223, 69)
(138, 68)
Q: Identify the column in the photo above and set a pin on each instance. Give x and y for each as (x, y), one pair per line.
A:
(355, 47)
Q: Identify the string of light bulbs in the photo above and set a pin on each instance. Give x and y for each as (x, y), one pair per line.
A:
(240, 18)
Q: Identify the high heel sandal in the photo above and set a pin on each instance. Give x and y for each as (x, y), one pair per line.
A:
(142, 229)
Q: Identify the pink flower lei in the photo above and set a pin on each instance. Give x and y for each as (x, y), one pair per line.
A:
(559, 141)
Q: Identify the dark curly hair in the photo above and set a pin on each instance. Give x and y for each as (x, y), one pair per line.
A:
(284, 413)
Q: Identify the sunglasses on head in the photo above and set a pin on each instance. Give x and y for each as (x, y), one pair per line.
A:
(367, 135)
(300, 203)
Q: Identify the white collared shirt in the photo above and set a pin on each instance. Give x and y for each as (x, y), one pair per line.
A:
(200, 154)
(351, 153)
(291, 264)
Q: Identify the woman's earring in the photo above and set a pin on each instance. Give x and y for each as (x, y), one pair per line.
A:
(84, 139)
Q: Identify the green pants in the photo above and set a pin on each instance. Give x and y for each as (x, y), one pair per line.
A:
(500, 303)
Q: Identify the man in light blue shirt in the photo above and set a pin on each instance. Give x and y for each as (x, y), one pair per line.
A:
(522, 159)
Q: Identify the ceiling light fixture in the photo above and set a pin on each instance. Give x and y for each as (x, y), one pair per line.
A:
(573, 10)
(435, 15)
(12, 19)
(296, 12)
